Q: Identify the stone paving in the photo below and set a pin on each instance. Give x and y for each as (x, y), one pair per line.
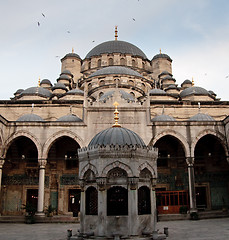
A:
(208, 229)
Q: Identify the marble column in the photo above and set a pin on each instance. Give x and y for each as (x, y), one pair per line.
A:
(1, 166)
(191, 182)
(41, 190)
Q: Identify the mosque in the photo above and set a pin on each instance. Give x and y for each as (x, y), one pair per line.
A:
(57, 141)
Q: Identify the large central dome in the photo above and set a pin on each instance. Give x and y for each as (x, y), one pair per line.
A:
(116, 46)
(117, 136)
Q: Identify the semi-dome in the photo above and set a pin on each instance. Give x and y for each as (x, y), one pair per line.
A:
(106, 96)
(116, 70)
(69, 118)
(127, 96)
(162, 55)
(30, 118)
(156, 91)
(117, 136)
(163, 118)
(201, 117)
(36, 91)
(194, 91)
(116, 46)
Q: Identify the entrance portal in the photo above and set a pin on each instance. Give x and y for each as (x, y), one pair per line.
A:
(32, 197)
(74, 201)
(201, 198)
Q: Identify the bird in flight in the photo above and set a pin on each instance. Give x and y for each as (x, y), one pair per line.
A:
(227, 76)
(133, 19)
(68, 32)
(43, 15)
(38, 24)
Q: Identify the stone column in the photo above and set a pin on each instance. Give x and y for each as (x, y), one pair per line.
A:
(82, 205)
(41, 190)
(191, 182)
(1, 165)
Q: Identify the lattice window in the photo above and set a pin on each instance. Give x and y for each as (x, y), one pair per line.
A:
(144, 203)
(91, 201)
(117, 201)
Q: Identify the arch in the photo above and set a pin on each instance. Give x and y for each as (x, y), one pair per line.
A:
(101, 83)
(205, 132)
(91, 199)
(147, 166)
(178, 136)
(122, 61)
(89, 166)
(99, 63)
(144, 202)
(117, 164)
(23, 133)
(57, 135)
(110, 62)
(133, 63)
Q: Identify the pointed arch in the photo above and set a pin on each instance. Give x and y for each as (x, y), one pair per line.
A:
(117, 164)
(57, 135)
(23, 133)
(89, 166)
(149, 167)
(177, 135)
(205, 132)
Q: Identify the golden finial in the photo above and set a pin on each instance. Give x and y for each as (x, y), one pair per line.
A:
(39, 82)
(116, 115)
(72, 50)
(116, 33)
(160, 50)
(192, 82)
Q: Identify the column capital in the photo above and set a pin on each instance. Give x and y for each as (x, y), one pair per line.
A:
(2, 161)
(190, 161)
(133, 182)
(42, 163)
(101, 182)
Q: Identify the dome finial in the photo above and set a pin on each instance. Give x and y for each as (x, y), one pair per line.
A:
(160, 50)
(72, 50)
(39, 82)
(192, 82)
(116, 115)
(116, 33)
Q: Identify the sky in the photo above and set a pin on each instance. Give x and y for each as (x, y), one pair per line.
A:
(195, 34)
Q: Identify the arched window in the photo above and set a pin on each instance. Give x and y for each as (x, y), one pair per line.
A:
(101, 94)
(99, 63)
(89, 65)
(143, 65)
(117, 201)
(122, 61)
(110, 62)
(91, 201)
(101, 83)
(144, 203)
(133, 63)
(131, 82)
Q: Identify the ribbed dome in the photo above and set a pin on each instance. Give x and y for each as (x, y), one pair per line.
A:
(30, 118)
(162, 55)
(156, 91)
(117, 136)
(163, 118)
(194, 91)
(69, 118)
(116, 46)
(37, 91)
(116, 70)
(201, 117)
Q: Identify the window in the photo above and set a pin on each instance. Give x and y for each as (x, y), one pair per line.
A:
(133, 63)
(144, 206)
(110, 62)
(122, 61)
(89, 65)
(71, 159)
(117, 201)
(91, 201)
(99, 63)
(101, 83)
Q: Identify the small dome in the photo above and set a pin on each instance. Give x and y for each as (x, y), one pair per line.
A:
(19, 91)
(66, 72)
(201, 117)
(162, 55)
(212, 93)
(69, 118)
(65, 77)
(163, 118)
(194, 91)
(165, 73)
(117, 136)
(172, 86)
(116, 70)
(46, 81)
(75, 92)
(71, 55)
(116, 46)
(30, 118)
(187, 81)
(156, 91)
(59, 86)
(36, 91)
(168, 78)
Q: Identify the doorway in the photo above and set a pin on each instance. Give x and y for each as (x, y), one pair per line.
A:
(32, 197)
(201, 198)
(74, 201)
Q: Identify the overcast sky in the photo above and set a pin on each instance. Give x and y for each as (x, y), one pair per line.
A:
(195, 34)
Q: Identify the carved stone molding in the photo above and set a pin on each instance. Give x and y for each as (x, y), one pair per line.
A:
(101, 181)
(82, 185)
(2, 161)
(42, 163)
(190, 161)
(133, 182)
